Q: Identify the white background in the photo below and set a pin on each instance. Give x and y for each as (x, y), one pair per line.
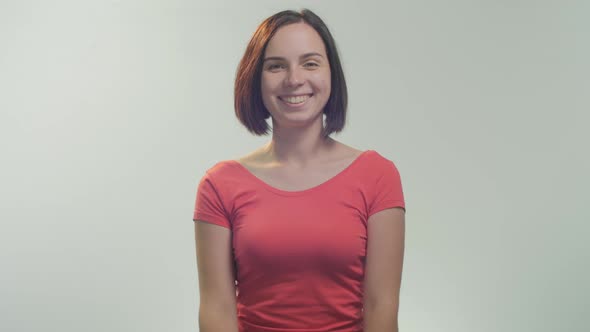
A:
(111, 111)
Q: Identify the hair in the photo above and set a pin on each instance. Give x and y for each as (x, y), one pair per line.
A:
(248, 104)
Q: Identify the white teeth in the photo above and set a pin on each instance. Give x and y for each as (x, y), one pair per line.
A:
(295, 100)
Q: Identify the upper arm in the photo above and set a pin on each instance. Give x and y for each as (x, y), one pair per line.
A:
(384, 261)
(215, 266)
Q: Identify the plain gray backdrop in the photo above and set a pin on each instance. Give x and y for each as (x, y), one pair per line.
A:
(111, 111)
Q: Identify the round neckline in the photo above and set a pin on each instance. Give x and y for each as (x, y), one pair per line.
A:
(303, 191)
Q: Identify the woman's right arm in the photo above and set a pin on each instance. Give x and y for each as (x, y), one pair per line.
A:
(217, 308)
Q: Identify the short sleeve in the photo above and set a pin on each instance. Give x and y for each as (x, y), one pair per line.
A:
(209, 205)
(388, 192)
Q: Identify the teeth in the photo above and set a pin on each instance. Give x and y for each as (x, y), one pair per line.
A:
(296, 100)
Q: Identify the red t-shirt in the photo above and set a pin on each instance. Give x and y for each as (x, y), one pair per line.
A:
(299, 255)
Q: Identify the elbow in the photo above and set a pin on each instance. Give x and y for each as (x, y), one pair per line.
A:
(381, 317)
(389, 304)
(217, 319)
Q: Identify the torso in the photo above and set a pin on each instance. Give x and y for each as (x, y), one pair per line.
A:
(296, 179)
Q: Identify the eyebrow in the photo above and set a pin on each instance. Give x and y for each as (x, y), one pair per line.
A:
(306, 55)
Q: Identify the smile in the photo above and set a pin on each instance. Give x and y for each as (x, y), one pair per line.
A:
(295, 100)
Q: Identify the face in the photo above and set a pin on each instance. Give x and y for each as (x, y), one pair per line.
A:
(295, 79)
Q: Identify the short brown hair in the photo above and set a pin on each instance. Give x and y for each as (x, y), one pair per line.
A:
(248, 104)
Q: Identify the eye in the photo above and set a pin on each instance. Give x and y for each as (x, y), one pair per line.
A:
(275, 67)
(310, 64)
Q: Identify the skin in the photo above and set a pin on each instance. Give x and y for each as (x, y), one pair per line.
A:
(296, 158)
(296, 64)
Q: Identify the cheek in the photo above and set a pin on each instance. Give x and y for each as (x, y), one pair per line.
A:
(326, 87)
(325, 82)
(265, 88)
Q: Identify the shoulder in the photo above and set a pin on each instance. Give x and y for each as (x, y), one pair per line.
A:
(378, 172)
(221, 172)
(383, 184)
(255, 159)
(221, 167)
(219, 181)
(379, 161)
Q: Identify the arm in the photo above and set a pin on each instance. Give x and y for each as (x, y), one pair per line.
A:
(383, 270)
(217, 308)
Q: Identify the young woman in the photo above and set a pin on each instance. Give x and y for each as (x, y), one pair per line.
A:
(305, 233)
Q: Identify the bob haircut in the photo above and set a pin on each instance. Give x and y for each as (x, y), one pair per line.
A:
(248, 104)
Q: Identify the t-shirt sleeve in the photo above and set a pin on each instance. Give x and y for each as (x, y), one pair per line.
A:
(388, 192)
(209, 205)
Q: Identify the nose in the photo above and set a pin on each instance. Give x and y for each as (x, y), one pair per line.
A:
(294, 78)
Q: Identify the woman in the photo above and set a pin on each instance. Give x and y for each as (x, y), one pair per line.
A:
(305, 233)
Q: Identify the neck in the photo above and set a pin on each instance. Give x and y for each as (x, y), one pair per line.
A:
(298, 146)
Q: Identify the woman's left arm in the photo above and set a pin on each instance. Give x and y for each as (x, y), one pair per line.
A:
(383, 270)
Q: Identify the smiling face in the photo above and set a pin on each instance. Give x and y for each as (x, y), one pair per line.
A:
(295, 81)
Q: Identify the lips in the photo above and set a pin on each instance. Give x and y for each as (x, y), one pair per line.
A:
(296, 99)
